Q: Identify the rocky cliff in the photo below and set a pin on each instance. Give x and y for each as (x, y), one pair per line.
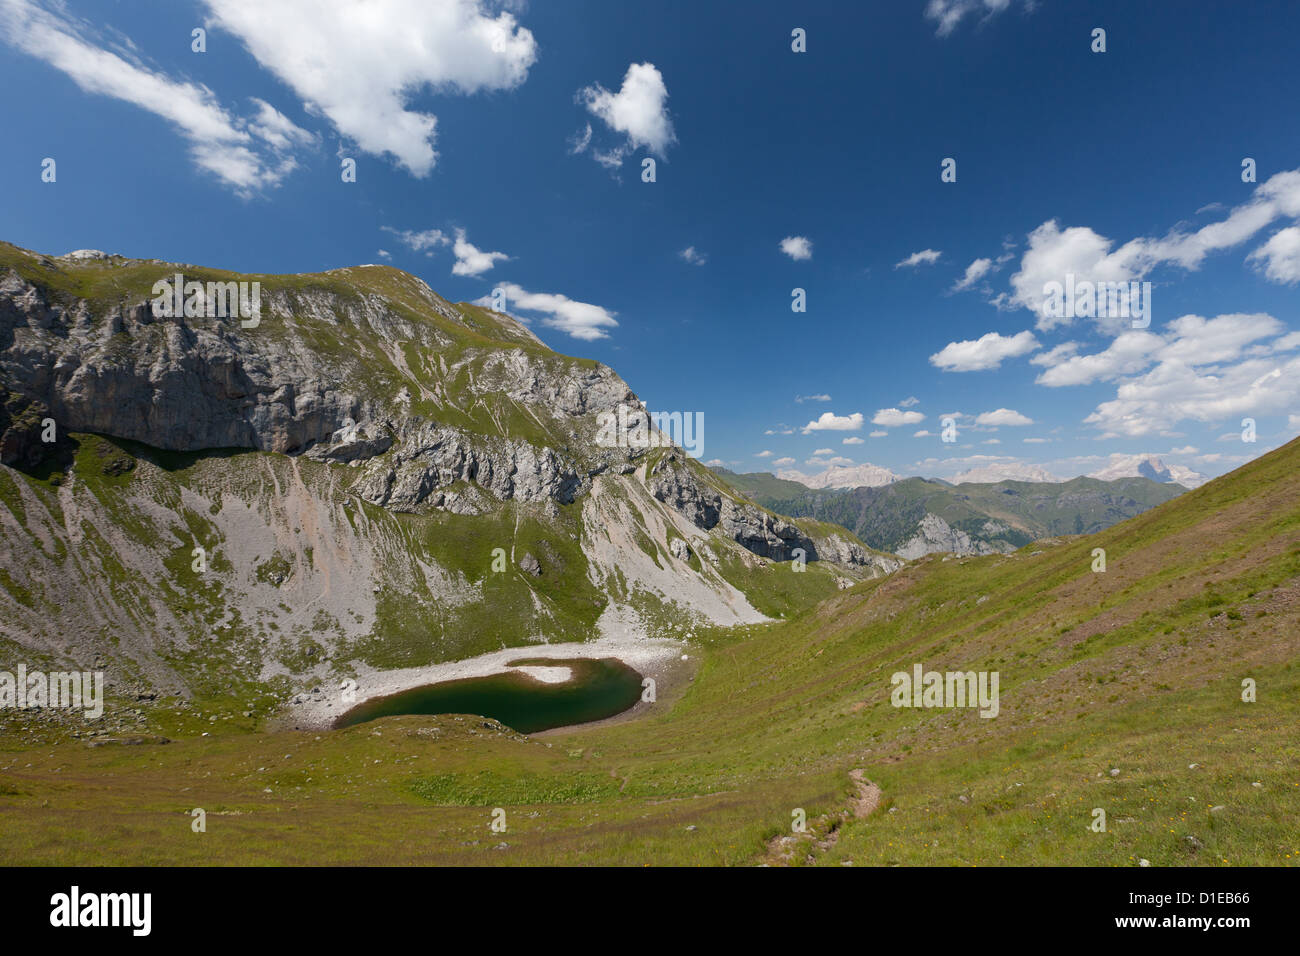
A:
(366, 476)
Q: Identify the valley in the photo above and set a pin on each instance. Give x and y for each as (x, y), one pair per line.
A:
(355, 467)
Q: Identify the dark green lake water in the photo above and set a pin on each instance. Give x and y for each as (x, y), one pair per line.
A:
(597, 689)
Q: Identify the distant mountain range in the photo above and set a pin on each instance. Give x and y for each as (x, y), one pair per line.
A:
(841, 476)
(1148, 466)
(1121, 466)
(916, 516)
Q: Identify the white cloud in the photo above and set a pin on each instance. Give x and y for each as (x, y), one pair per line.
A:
(1035, 441)
(835, 423)
(247, 154)
(892, 417)
(582, 320)
(638, 111)
(385, 254)
(1280, 256)
(926, 257)
(783, 462)
(422, 241)
(1190, 340)
(1054, 253)
(360, 64)
(1130, 352)
(909, 402)
(986, 352)
(854, 440)
(824, 451)
(693, 256)
(1057, 355)
(1003, 416)
(947, 14)
(878, 434)
(797, 247)
(1174, 391)
(812, 398)
(923, 433)
(974, 272)
(470, 261)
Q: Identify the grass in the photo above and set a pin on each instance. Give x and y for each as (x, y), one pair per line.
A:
(776, 716)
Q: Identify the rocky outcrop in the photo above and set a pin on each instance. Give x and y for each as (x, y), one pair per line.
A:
(434, 408)
(934, 534)
(430, 458)
(766, 534)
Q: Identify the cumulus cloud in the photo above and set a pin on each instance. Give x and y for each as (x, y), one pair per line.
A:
(926, 257)
(835, 423)
(1190, 340)
(797, 247)
(470, 260)
(1173, 391)
(1053, 252)
(582, 320)
(245, 153)
(783, 462)
(1003, 416)
(893, 417)
(1280, 256)
(909, 402)
(878, 434)
(361, 64)
(693, 256)
(1199, 369)
(812, 398)
(986, 352)
(854, 440)
(638, 112)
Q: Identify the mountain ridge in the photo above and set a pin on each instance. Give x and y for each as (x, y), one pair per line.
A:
(371, 475)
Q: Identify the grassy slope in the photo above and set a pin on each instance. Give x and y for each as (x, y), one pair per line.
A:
(1138, 669)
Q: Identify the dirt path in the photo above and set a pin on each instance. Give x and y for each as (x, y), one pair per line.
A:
(824, 832)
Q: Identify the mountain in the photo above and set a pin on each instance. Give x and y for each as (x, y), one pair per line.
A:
(363, 476)
(1004, 471)
(1164, 691)
(1151, 467)
(842, 476)
(917, 516)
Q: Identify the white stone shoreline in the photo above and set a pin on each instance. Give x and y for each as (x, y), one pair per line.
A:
(647, 655)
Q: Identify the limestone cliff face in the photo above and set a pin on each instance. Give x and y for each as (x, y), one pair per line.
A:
(933, 534)
(367, 477)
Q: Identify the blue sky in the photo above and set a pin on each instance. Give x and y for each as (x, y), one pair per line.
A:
(466, 118)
